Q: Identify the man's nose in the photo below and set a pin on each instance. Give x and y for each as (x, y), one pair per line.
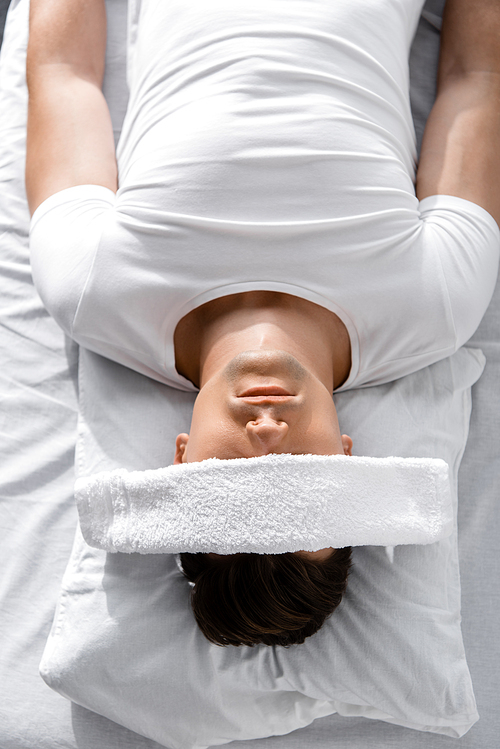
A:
(267, 432)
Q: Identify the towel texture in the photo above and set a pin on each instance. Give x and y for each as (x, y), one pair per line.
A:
(267, 505)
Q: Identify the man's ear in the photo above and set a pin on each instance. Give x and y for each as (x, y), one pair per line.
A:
(181, 442)
(347, 444)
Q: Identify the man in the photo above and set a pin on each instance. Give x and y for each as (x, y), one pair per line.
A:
(265, 245)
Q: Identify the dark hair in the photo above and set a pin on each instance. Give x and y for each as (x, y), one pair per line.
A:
(274, 599)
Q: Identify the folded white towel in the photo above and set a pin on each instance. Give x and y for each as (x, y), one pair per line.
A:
(267, 505)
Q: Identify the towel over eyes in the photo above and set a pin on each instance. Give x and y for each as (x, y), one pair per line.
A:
(269, 504)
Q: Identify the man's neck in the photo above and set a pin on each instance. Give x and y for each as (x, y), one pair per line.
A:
(213, 334)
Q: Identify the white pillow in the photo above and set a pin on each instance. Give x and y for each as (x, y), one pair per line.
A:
(125, 644)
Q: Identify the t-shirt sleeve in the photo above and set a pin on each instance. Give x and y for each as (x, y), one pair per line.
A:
(467, 239)
(65, 232)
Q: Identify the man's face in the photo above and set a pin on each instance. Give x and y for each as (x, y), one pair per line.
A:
(262, 402)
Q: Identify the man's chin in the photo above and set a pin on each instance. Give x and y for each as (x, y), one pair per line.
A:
(250, 369)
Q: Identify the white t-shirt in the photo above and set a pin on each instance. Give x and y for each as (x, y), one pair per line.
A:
(268, 145)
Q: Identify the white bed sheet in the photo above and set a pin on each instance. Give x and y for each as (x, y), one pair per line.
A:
(37, 514)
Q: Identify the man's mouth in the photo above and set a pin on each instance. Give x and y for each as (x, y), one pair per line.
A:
(263, 391)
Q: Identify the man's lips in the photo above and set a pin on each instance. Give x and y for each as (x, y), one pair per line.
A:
(266, 391)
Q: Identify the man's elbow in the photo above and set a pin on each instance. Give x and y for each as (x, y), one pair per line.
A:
(67, 36)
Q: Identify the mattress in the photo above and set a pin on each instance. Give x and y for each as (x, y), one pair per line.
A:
(38, 416)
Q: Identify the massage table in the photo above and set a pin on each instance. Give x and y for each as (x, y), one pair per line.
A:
(38, 421)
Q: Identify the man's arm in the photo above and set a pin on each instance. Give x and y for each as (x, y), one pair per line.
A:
(461, 146)
(70, 136)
